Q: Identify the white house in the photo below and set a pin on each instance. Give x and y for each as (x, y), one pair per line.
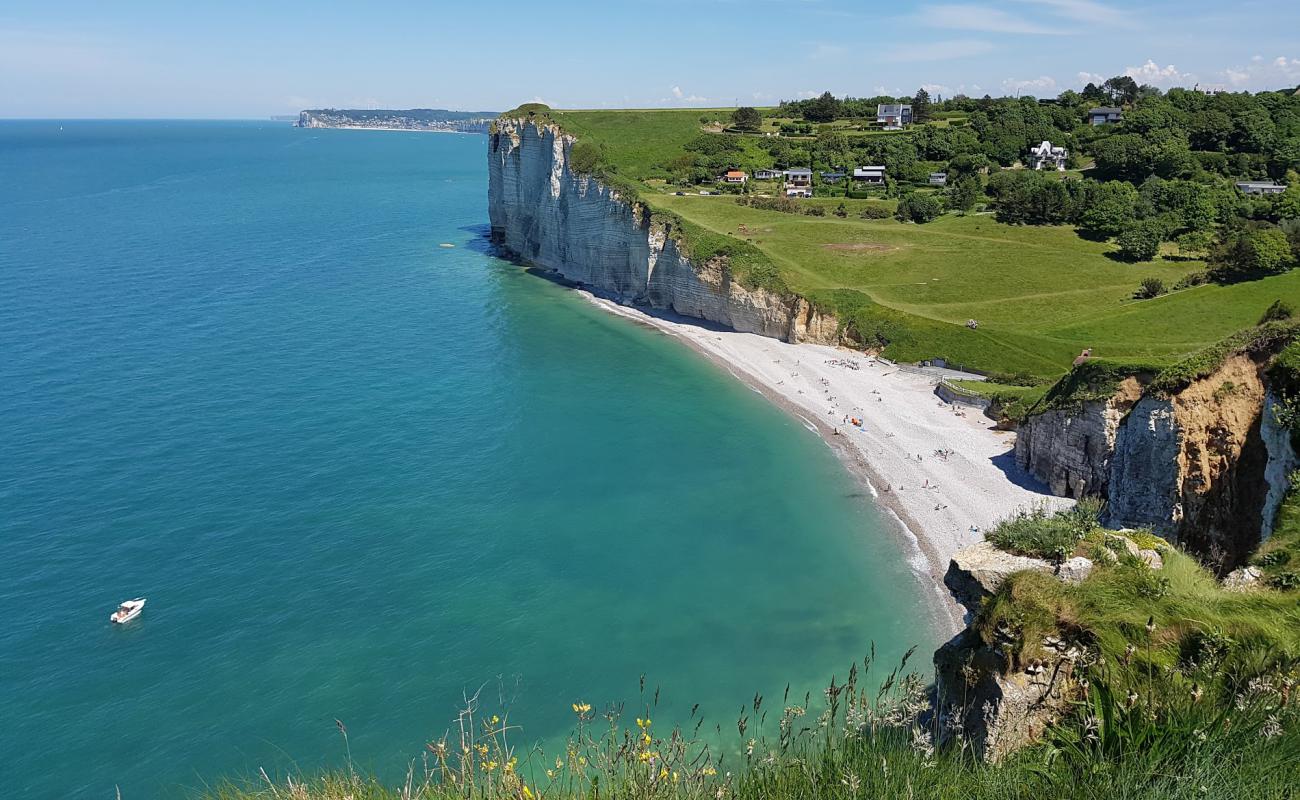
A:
(938, 179)
(766, 174)
(1260, 187)
(872, 176)
(1045, 155)
(798, 183)
(734, 176)
(893, 116)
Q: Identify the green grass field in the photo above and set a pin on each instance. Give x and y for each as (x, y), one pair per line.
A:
(1040, 294)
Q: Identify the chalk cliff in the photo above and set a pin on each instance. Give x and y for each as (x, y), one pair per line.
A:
(1204, 463)
(553, 218)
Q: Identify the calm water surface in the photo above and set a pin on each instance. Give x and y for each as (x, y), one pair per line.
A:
(358, 474)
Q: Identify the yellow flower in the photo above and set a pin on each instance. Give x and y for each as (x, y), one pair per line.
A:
(582, 761)
(645, 737)
(581, 708)
(674, 777)
(642, 723)
(550, 773)
(495, 719)
(710, 771)
(528, 792)
(644, 756)
(489, 766)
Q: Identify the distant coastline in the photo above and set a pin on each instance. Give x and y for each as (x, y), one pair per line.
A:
(415, 119)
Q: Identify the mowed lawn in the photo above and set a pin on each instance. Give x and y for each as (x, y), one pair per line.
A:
(1040, 294)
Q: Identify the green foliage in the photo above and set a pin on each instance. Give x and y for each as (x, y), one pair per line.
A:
(1109, 208)
(1251, 253)
(917, 207)
(585, 157)
(1278, 311)
(1151, 287)
(746, 118)
(1031, 197)
(1140, 242)
(1038, 534)
(1268, 339)
(963, 193)
(875, 211)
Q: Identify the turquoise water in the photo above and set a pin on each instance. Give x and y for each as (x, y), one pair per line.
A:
(357, 474)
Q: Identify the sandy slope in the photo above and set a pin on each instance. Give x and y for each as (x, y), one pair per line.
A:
(944, 499)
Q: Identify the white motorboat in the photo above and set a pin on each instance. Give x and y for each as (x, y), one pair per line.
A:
(128, 611)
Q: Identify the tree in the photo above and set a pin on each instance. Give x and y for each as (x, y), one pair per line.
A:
(921, 106)
(1251, 253)
(822, 109)
(917, 207)
(963, 193)
(1140, 242)
(1121, 89)
(1108, 208)
(746, 118)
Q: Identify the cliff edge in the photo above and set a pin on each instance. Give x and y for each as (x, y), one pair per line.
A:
(550, 216)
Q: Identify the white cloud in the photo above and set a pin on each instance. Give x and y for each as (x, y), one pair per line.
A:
(1087, 11)
(681, 97)
(1041, 86)
(1085, 78)
(938, 51)
(936, 88)
(1156, 75)
(806, 94)
(1282, 72)
(677, 92)
(983, 18)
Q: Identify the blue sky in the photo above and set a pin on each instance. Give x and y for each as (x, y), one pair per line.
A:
(239, 58)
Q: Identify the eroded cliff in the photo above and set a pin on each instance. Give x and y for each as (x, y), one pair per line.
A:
(1198, 455)
(550, 216)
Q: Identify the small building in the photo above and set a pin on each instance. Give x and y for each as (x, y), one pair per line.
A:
(798, 183)
(734, 176)
(1047, 156)
(893, 116)
(1260, 187)
(872, 176)
(938, 179)
(834, 176)
(1105, 115)
(766, 174)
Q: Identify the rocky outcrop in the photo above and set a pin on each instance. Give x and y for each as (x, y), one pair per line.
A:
(1070, 450)
(978, 570)
(554, 218)
(1205, 465)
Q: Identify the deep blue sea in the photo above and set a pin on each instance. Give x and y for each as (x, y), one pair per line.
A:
(357, 474)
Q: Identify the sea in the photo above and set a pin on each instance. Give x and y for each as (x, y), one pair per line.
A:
(363, 477)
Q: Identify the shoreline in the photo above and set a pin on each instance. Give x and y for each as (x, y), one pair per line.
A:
(935, 500)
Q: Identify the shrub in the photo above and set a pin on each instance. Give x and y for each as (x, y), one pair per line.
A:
(1250, 254)
(1285, 581)
(1140, 242)
(1040, 535)
(1151, 287)
(920, 208)
(875, 212)
(1191, 279)
(584, 157)
(1279, 310)
(815, 211)
(841, 211)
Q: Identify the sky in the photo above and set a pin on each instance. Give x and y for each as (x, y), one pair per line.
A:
(255, 58)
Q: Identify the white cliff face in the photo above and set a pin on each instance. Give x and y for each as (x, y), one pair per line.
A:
(1145, 482)
(553, 218)
(1071, 451)
(1282, 462)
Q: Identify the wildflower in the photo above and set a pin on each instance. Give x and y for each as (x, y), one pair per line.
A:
(1132, 698)
(1271, 727)
(853, 782)
(642, 723)
(528, 793)
(1197, 691)
(582, 709)
(749, 747)
(709, 771)
(550, 773)
(645, 738)
(1151, 625)
(495, 719)
(489, 766)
